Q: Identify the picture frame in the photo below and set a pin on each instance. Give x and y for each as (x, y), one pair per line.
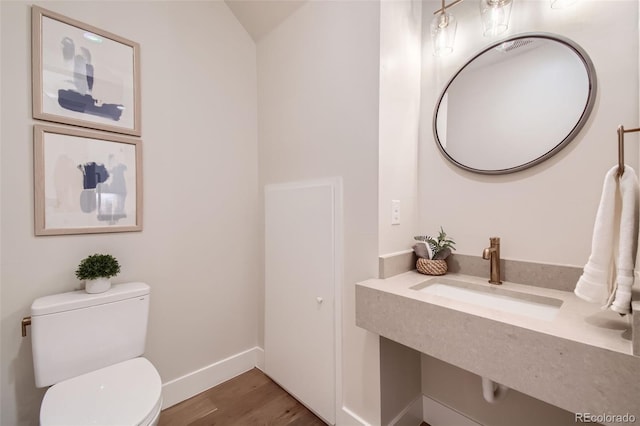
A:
(86, 182)
(84, 76)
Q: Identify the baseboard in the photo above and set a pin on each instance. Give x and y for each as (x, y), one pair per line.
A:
(412, 414)
(191, 384)
(259, 358)
(437, 414)
(348, 417)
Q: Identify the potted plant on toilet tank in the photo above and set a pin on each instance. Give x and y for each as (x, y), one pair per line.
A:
(97, 270)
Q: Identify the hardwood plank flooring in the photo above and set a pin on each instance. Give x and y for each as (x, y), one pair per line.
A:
(249, 399)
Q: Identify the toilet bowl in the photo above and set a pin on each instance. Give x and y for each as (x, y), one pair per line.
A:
(127, 393)
(89, 347)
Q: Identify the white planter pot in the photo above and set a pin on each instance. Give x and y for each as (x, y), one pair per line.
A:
(99, 285)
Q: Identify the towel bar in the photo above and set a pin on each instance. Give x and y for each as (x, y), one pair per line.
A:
(621, 132)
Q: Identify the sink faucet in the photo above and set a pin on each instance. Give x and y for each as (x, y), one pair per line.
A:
(492, 253)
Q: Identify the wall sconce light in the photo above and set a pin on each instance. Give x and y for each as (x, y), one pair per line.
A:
(495, 16)
(443, 30)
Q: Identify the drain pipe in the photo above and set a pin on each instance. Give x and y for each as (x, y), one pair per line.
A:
(492, 391)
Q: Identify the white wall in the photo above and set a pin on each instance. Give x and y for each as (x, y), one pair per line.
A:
(199, 242)
(546, 213)
(318, 76)
(400, 50)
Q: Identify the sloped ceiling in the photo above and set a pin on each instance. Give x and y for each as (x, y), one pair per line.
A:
(261, 16)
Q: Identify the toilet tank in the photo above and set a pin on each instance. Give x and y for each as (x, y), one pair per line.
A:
(76, 332)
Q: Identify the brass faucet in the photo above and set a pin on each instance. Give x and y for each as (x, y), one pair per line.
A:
(493, 255)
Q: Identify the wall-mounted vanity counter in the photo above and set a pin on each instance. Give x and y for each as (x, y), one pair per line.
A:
(566, 352)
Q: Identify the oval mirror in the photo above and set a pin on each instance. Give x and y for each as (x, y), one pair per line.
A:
(515, 104)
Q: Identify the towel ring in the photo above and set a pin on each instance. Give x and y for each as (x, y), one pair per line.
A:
(621, 132)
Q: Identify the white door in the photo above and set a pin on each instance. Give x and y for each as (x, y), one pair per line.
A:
(302, 255)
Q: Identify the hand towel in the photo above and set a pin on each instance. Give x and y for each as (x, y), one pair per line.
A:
(598, 276)
(620, 297)
(609, 274)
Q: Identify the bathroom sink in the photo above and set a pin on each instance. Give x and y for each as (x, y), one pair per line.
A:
(493, 297)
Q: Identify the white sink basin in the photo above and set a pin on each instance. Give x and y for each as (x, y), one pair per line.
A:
(494, 297)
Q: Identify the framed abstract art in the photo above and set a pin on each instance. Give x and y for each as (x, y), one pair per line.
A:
(86, 182)
(84, 76)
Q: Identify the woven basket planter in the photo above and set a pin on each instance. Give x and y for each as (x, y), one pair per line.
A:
(431, 267)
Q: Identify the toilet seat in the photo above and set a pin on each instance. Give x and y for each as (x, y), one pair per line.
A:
(127, 393)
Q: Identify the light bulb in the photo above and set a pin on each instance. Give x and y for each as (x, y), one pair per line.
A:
(495, 16)
(443, 33)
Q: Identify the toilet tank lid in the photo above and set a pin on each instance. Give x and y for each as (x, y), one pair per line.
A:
(81, 299)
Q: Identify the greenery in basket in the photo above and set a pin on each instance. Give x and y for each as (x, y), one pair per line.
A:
(98, 266)
(440, 247)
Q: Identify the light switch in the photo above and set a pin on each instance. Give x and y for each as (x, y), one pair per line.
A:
(395, 212)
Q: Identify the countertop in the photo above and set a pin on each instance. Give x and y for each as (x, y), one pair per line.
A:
(576, 320)
(582, 360)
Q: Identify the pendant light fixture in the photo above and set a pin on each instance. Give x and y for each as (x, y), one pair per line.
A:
(495, 16)
(443, 30)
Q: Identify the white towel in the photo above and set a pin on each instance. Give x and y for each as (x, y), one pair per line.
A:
(620, 298)
(608, 275)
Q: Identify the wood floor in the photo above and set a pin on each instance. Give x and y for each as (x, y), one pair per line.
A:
(248, 399)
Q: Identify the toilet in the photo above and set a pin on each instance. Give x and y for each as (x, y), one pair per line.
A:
(89, 347)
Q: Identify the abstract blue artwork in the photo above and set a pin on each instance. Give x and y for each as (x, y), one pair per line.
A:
(83, 75)
(86, 182)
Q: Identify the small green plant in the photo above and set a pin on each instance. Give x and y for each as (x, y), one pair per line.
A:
(440, 247)
(98, 266)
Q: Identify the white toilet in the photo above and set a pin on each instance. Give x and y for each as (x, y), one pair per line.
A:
(88, 347)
